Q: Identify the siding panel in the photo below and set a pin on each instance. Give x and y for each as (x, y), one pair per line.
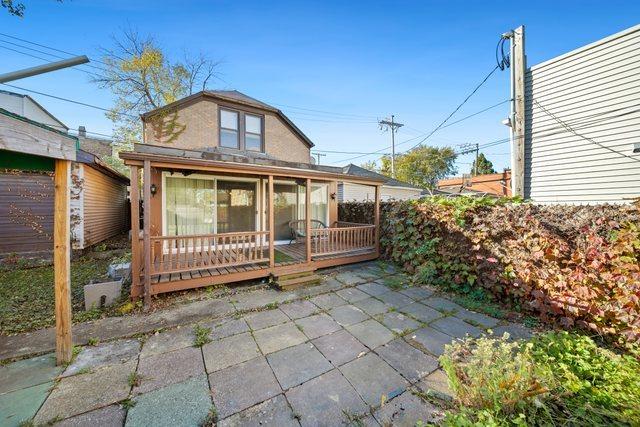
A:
(596, 91)
(105, 206)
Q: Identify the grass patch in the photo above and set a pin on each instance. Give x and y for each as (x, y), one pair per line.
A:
(27, 295)
(556, 378)
(482, 304)
(201, 336)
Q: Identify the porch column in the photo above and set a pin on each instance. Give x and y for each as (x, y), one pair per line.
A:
(147, 233)
(272, 259)
(135, 232)
(307, 219)
(376, 220)
(61, 260)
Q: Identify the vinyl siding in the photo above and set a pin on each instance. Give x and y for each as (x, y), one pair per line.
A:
(26, 212)
(105, 206)
(596, 91)
(348, 192)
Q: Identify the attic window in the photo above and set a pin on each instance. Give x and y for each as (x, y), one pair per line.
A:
(253, 132)
(229, 135)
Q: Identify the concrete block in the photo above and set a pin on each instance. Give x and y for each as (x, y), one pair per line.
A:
(101, 294)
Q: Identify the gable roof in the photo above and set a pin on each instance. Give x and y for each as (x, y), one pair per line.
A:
(235, 97)
(44, 110)
(352, 169)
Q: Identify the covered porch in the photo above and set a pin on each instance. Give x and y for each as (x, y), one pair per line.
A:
(215, 218)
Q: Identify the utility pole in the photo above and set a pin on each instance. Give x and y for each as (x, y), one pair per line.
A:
(318, 155)
(475, 172)
(470, 148)
(518, 68)
(394, 126)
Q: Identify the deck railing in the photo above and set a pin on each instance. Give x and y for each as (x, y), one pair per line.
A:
(176, 254)
(345, 237)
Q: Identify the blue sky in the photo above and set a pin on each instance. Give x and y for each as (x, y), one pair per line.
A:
(360, 61)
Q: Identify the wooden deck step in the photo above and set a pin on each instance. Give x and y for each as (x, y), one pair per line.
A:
(297, 280)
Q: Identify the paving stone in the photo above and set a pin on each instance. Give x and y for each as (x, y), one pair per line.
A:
(229, 351)
(349, 278)
(368, 273)
(259, 299)
(395, 299)
(83, 393)
(328, 301)
(399, 323)
(373, 289)
(317, 325)
(273, 412)
(28, 372)
(278, 337)
(21, 405)
(430, 339)
(477, 319)
(323, 401)
(372, 306)
(455, 327)
(408, 410)
(347, 314)
(417, 293)
(410, 362)
(515, 331)
(442, 304)
(183, 404)
(374, 379)
(299, 309)
(436, 384)
(371, 333)
(165, 369)
(162, 342)
(109, 416)
(226, 328)
(295, 365)
(111, 353)
(264, 319)
(239, 387)
(421, 312)
(340, 347)
(352, 294)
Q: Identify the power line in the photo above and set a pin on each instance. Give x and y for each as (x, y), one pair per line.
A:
(46, 59)
(70, 100)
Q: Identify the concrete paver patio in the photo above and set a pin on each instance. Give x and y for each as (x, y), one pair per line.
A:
(348, 349)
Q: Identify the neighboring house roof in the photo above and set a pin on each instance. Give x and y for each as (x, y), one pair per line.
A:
(352, 169)
(44, 110)
(238, 98)
(96, 163)
(493, 183)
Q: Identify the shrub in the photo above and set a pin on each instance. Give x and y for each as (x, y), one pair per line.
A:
(578, 266)
(553, 379)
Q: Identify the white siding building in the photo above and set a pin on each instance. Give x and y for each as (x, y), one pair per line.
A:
(391, 190)
(582, 124)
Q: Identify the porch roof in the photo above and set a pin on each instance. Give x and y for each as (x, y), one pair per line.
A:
(175, 158)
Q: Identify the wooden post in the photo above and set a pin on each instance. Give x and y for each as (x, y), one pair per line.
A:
(147, 233)
(272, 258)
(376, 220)
(307, 219)
(518, 69)
(135, 232)
(61, 261)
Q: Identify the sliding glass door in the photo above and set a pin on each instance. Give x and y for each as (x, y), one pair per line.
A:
(209, 205)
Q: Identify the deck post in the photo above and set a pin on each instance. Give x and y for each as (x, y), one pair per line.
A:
(147, 233)
(62, 260)
(376, 220)
(135, 232)
(307, 219)
(272, 259)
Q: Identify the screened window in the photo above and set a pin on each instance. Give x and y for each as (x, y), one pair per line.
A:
(253, 132)
(229, 135)
(236, 209)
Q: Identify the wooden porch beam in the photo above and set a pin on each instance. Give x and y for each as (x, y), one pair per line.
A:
(135, 231)
(307, 219)
(272, 258)
(376, 220)
(62, 261)
(147, 233)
